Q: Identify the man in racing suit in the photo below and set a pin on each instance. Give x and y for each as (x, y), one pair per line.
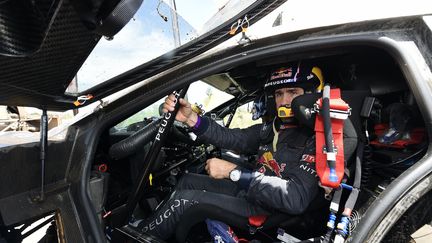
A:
(284, 180)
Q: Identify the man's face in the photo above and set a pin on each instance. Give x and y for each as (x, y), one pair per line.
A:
(284, 96)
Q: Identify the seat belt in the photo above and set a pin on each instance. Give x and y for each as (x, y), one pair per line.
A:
(331, 113)
(330, 164)
(343, 226)
(341, 111)
(331, 223)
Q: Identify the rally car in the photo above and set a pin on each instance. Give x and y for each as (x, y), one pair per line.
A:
(121, 156)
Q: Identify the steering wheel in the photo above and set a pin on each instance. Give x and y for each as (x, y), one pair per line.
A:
(145, 135)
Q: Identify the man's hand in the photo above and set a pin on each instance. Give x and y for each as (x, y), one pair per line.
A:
(185, 113)
(218, 168)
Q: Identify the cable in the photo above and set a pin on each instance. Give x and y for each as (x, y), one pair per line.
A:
(165, 18)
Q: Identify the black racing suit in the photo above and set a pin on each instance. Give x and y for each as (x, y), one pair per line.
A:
(285, 180)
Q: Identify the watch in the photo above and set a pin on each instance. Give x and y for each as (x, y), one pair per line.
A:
(235, 174)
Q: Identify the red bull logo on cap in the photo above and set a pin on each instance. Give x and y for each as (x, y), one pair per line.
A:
(269, 162)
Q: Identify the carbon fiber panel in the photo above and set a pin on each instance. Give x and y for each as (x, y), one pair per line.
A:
(21, 28)
(40, 79)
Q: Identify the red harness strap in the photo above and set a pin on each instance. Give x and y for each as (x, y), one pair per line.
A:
(339, 111)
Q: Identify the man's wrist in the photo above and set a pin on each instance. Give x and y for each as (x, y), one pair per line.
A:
(201, 126)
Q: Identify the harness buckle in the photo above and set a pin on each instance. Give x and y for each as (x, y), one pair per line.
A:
(331, 156)
(334, 113)
(256, 222)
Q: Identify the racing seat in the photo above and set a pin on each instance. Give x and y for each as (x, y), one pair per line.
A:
(201, 212)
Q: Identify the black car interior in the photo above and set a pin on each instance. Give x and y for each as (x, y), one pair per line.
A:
(384, 114)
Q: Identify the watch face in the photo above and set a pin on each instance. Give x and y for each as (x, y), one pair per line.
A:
(235, 175)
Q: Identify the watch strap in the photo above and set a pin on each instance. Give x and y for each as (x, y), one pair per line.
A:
(245, 179)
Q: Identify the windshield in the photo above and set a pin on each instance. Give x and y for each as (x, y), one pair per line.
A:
(155, 29)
